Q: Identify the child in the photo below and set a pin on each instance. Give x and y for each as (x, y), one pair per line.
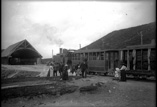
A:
(117, 74)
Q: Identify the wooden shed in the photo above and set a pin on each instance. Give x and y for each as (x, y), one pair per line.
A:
(21, 53)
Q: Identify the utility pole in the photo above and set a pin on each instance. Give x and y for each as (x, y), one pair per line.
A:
(141, 37)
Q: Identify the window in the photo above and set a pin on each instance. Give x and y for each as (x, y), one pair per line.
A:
(138, 59)
(86, 56)
(94, 55)
(98, 56)
(78, 56)
(102, 55)
(107, 56)
(90, 56)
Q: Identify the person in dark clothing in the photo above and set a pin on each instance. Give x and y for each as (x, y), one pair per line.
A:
(76, 66)
(123, 72)
(84, 67)
(65, 73)
(69, 62)
(72, 69)
(55, 69)
(61, 66)
(77, 69)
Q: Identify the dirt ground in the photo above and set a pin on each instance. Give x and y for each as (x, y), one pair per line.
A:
(111, 93)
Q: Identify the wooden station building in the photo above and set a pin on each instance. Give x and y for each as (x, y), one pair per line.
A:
(20, 53)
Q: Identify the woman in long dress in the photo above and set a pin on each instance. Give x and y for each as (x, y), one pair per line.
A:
(65, 73)
(123, 72)
(51, 70)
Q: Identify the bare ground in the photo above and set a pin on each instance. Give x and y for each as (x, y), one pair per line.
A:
(110, 94)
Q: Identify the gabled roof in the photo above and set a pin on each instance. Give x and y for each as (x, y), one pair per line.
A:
(19, 45)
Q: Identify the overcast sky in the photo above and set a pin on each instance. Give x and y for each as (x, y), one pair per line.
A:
(50, 25)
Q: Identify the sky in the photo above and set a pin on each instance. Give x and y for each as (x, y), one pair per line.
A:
(50, 25)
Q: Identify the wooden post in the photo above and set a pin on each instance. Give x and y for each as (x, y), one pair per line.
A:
(128, 60)
(134, 61)
(149, 51)
(121, 55)
(104, 61)
(112, 60)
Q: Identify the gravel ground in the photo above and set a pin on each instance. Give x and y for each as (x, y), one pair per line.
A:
(111, 94)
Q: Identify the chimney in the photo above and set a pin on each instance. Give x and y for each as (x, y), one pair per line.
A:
(61, 50)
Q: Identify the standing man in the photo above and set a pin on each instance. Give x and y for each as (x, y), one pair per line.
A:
(61, 66)
(84, 67)
(55, 69)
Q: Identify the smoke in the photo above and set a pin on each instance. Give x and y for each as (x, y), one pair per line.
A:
(51, 34)
(38, 32)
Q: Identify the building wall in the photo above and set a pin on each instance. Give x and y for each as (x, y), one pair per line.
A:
(18, 61)
(4, 60)
(39, 61)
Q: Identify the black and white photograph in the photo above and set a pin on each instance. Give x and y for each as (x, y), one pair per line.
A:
(78, 53)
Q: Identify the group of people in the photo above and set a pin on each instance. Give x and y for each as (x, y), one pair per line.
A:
(80, 68)
(55, 67)
(120, 74)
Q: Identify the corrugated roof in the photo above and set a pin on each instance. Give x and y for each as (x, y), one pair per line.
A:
(12, 48)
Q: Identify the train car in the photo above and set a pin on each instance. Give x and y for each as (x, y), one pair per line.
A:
(140, 60)
(99, 61)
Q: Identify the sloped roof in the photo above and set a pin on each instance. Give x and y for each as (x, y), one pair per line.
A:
(19, 45)
(125, 37)
(10, 49)
(95, 50)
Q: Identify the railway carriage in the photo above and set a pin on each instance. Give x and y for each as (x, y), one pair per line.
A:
(99, 61)
(140, 60)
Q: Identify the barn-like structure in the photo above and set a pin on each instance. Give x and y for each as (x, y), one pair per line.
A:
(21, 53)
